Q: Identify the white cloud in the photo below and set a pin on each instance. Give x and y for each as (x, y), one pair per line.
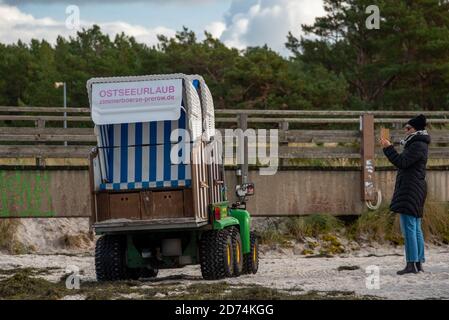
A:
(246, 23)
(142, 34)
(18, 2)
(15, 24)
(259, 22)
(216, 28)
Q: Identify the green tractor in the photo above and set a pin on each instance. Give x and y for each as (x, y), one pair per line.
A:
(158, 187)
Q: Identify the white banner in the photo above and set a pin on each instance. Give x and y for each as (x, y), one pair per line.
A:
(136, 101)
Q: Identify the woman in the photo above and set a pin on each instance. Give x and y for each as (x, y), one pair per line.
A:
(410, 189)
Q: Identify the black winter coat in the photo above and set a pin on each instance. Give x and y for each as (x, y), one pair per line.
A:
(410, 190)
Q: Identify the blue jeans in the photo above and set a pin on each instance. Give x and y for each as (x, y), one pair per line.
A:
(413, 237)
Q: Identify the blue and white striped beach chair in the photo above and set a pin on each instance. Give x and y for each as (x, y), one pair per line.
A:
(137, 156)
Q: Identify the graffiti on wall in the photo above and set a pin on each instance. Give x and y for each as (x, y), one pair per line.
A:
(25, 195)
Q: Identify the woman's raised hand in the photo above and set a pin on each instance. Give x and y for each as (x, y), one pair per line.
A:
(385, 143)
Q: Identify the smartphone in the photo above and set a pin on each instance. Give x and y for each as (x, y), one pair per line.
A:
(385, 133)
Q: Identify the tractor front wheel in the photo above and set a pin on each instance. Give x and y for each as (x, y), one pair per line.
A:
(237, 252)
(251, 259)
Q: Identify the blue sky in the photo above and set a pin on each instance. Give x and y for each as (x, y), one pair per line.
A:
(238, 23)
(151, 14)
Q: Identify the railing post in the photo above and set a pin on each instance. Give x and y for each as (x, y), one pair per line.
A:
(243, 124)
(40, 161)
(283, 125)
(65, 107)
(367, 157)
(283, 128)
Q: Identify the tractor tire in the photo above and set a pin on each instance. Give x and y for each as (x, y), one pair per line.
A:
(237, 252)
(251, 260)
(110, 258)
(216, 258)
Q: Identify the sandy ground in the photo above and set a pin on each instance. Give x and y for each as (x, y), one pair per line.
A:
(285, 270)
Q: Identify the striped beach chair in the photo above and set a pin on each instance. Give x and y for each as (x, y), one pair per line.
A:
(137, 155)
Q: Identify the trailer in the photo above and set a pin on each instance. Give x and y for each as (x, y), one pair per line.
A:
(159, 197)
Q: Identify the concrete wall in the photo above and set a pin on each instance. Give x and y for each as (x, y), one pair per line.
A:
(49, 193)
(294, 192)
(302, 192)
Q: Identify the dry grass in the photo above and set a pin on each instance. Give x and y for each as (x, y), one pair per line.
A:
(76, 241)
(380, 226)
(274, 236)
(377, 226)
(435, 223)
(8, 240)
(298, 228)
(383, 226)
(313, 226)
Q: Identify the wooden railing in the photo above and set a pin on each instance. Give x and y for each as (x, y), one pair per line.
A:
(38, 133)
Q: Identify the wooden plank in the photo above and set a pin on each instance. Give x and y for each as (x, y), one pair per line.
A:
(292, 120)
(103, 208)
(125, 205)
(93, 216)
(48, 138)
(437, 136)
(342, 136)
(153, 224)
(434, 152)
(320, 136)
(286, 152)
(403, 121)
(45, 151)
(45, 118)
(195, 176)
(352, 113)
(355, 113)
(48, 131)
(44, 109)
(325, 120)
(188, 203)
(167, 204)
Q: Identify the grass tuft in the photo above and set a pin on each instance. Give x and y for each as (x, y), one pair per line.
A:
(8, 240)
(379, 226)
(384, 226)
(313, 226)
(435, 223)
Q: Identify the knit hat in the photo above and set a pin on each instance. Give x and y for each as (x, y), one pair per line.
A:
(419, 122)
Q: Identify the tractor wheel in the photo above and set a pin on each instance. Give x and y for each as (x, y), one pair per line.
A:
(110, 258)
(216, 258)
(237, 251)
(251, 259)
